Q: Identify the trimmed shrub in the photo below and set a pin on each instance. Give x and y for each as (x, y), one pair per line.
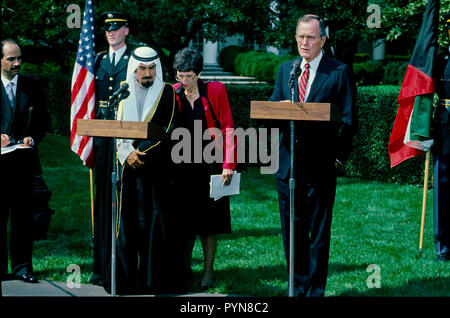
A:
(261, 65)
(56, 87)
(369, 159)
(228, 55)
(394, 72)
(369, 72)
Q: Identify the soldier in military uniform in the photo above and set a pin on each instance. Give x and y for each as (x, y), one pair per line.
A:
(110, 71)
(441, 158)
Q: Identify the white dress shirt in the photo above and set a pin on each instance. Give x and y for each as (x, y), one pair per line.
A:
(313, 65)
(6, 83)
(119, 53)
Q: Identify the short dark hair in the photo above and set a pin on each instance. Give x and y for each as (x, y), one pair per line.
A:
(188, 59)
(308, 18)
(8, 41)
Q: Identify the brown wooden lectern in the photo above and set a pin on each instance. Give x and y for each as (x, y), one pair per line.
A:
(293, 111)
(117, 129)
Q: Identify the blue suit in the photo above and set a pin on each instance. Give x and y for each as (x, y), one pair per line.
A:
(317, 146)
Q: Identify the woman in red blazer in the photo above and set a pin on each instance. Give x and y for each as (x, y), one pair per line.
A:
(204, 104)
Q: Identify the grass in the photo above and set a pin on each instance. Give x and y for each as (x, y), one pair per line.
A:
(373, 223)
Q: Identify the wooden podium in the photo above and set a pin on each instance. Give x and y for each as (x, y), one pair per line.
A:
(119, 129)
(124, 130)
(293, 111)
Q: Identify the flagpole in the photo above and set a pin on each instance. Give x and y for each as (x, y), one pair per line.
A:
(424, 202)
(92, 200)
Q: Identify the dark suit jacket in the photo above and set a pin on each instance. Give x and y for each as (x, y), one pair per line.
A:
(29, 118)
(318, 143)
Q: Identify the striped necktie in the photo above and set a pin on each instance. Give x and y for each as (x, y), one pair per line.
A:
(303, 83)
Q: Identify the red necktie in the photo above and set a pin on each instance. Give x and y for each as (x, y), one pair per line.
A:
(302, 84)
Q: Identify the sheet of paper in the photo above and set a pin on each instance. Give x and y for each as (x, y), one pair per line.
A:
(218, 189)
(14, 147)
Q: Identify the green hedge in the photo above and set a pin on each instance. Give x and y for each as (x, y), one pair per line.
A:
(57, 88)
(380, 72)
(228, 55)
(369, 159)
(261, 65)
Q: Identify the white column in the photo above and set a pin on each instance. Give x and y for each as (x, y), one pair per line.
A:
(379, 49)
(210, 52)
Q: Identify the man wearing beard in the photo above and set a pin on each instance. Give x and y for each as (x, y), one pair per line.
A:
(146, 249)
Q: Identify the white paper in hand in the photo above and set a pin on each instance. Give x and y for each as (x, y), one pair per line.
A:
(9, 149)
(218, 189)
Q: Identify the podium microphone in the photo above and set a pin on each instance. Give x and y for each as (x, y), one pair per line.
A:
(293, 75)
(121, 89)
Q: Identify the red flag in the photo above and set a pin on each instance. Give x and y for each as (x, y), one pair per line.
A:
(83, 87)
(417, 83)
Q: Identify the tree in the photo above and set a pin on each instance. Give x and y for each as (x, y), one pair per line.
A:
(41, 30)
(169, 25)
(347, 21)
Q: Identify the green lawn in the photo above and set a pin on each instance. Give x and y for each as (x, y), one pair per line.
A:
(373, 223)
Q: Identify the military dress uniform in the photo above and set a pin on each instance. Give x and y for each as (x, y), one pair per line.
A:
(107, 81)
(441, 160)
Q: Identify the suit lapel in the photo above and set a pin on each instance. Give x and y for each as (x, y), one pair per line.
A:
(21, 96)
(319, 79)
(7, 112)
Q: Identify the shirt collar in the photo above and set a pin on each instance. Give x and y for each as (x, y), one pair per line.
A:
(6, 81)
(119, 53)
(314, 64)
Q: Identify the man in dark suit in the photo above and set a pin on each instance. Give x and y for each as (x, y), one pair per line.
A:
(110, 71)
(441, 157)
(319, 148)
(24, 120)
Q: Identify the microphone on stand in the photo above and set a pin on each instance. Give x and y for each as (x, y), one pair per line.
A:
(122, 88)
(292, 76)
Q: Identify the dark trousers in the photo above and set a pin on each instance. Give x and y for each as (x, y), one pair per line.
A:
(17, 189)
(102, 210)
(441, 202)
(313, 200)
(145, 253)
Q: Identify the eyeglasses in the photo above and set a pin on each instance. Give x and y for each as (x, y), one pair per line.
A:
(189, 78)
(309, 38)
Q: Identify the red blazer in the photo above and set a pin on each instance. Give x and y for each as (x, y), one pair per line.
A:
(218, 97)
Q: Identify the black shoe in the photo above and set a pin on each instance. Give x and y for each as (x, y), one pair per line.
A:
(207, 285)
(444, 257)
(27, 278)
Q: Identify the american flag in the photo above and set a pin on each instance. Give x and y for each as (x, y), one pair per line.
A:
(83, 87)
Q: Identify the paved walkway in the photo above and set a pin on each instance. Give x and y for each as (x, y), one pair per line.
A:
(47, 288)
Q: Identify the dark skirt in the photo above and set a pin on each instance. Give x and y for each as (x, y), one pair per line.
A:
(201, 214)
